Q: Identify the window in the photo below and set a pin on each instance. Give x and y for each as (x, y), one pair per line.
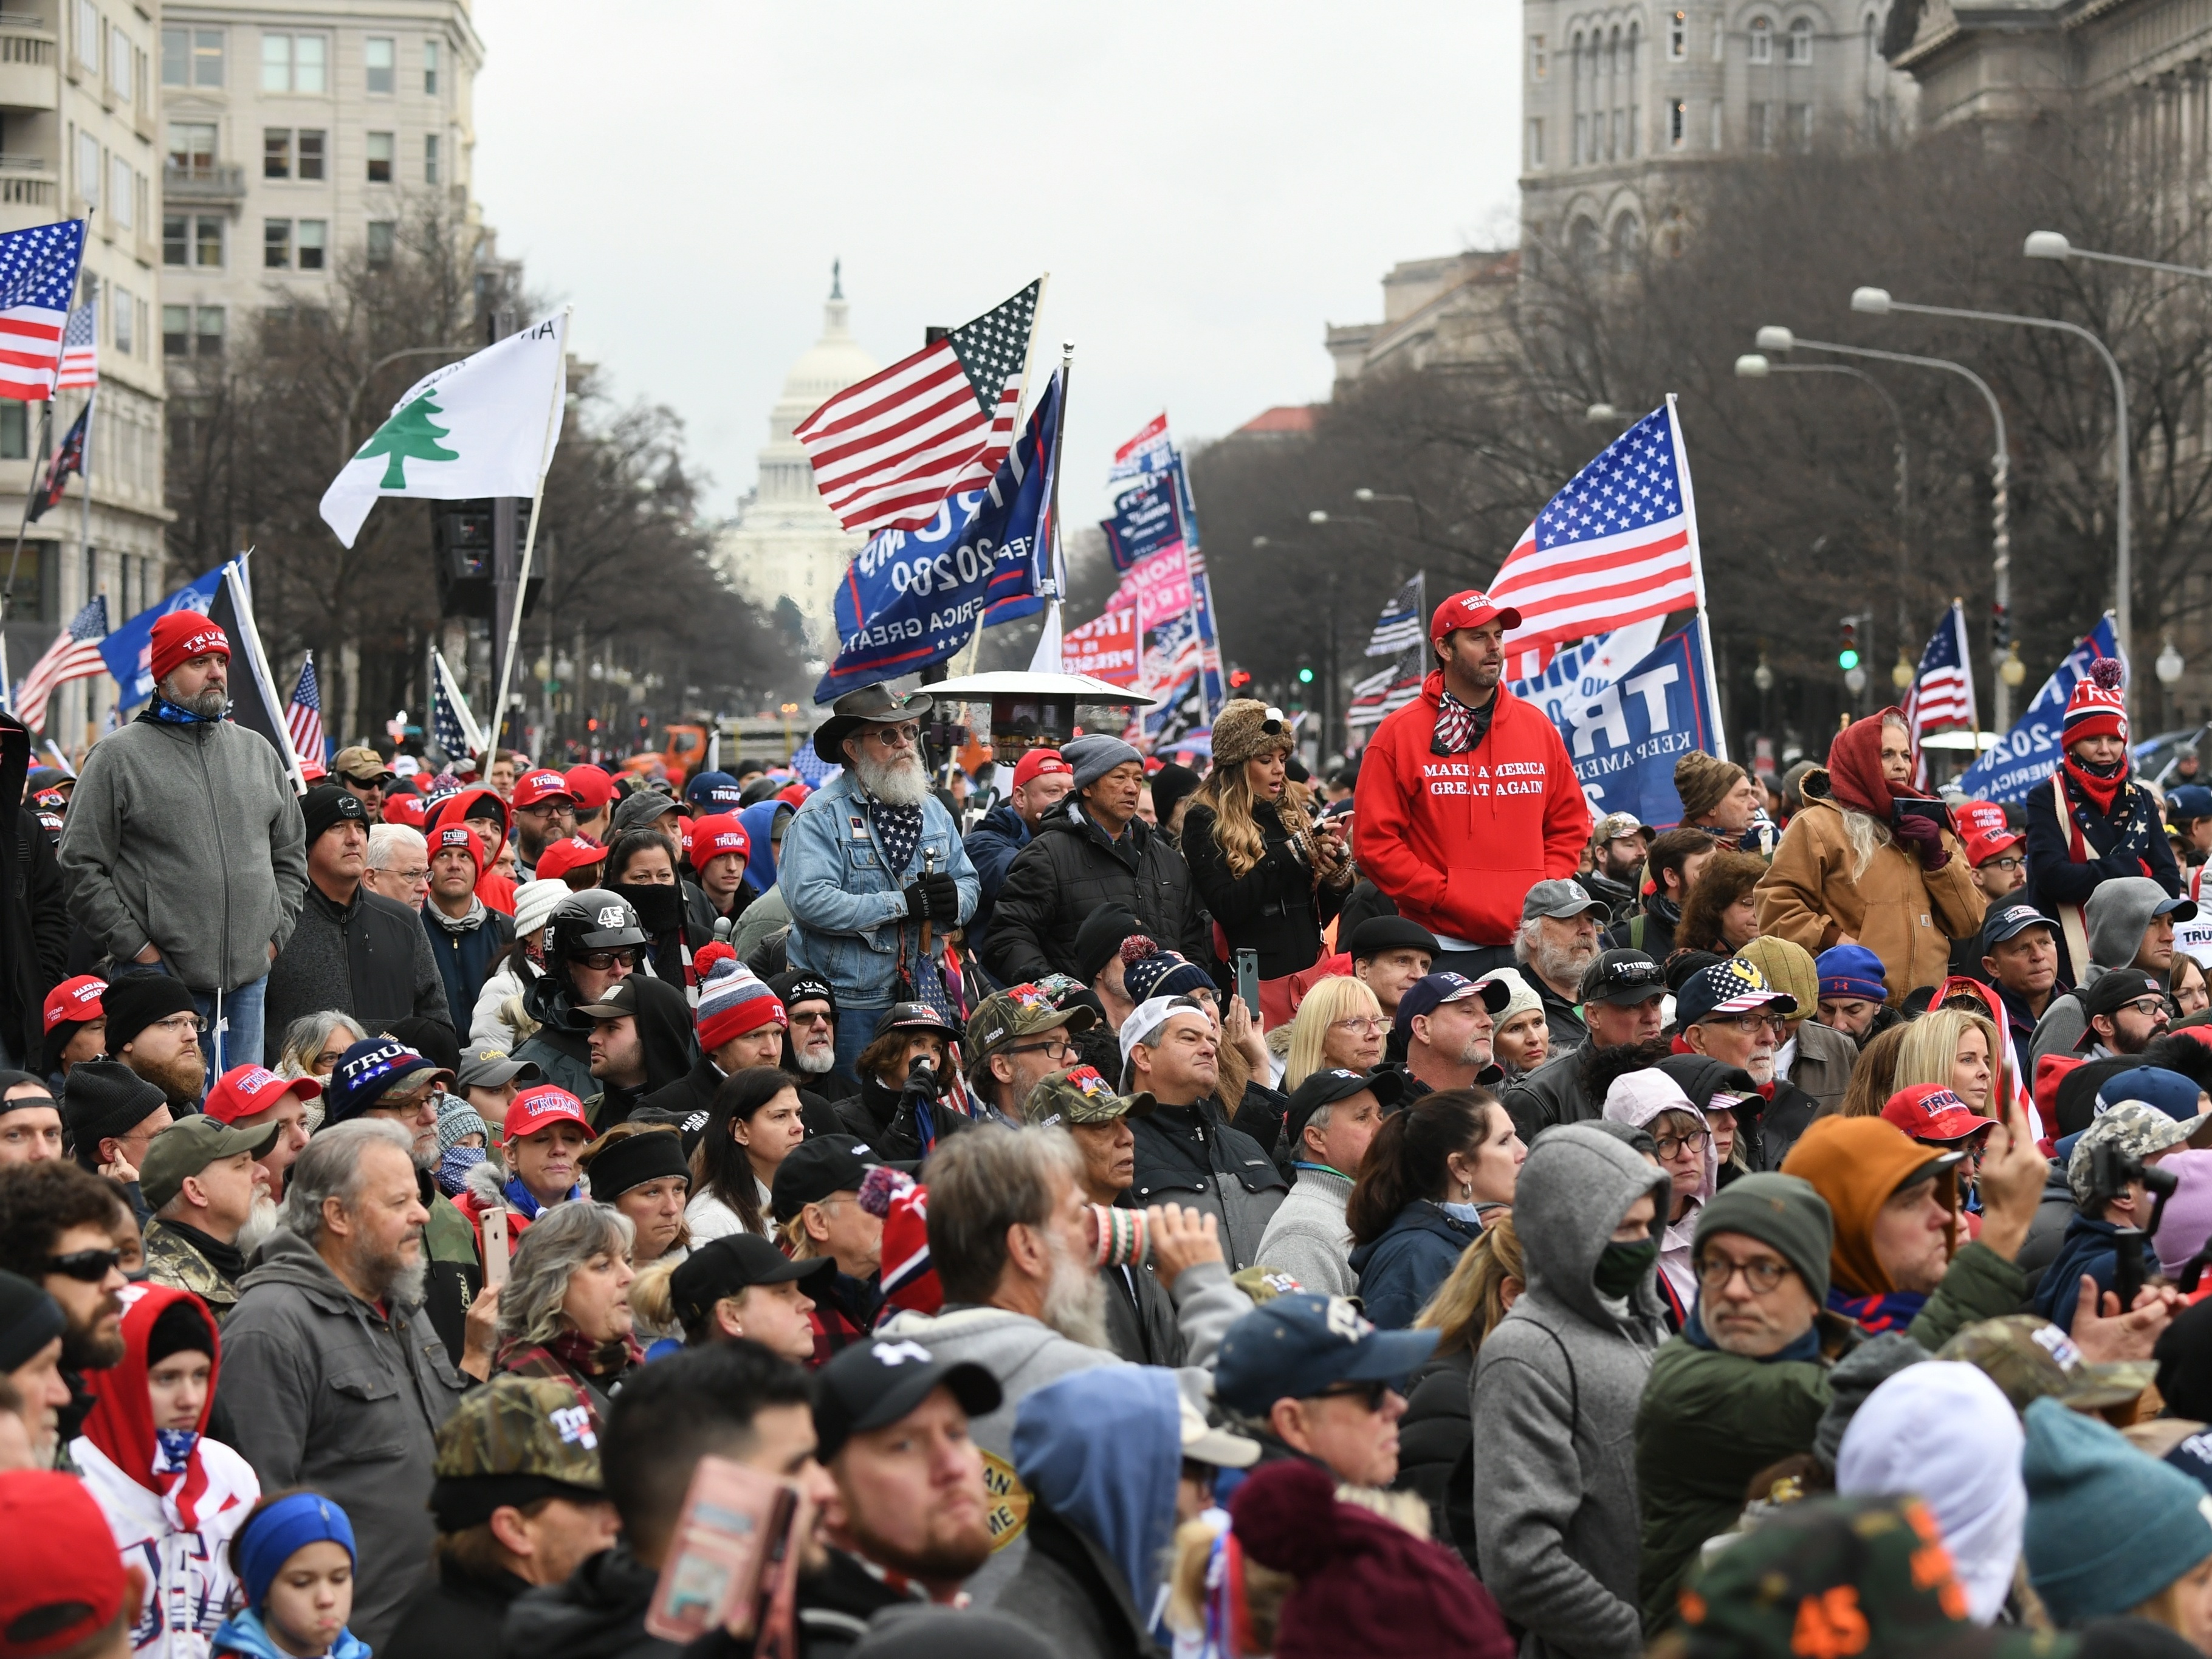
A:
(314, 238)
(1798, 119)
(378, 57)
(1535, 143)
(1678, 123)
(310, 153)
(380, 238)
(1873, 41)
(88, 168)
(380, 158)
(207, 324)
(1755, 132)
(276, 244)
(277, 153)
(1762, 40)
(430, 159)
(192, 58)
(124, 308)
(1719, 122)
(1582, 139)
(192, 145)
(1536, 58)
(118, 63)
(176, 239)
(176, 331)
(89, 31)
(16, 445)
(293, 63)
(207, 242)
(1801, 41)
(430, 69)
(1720, 37)
(1678, 36)
(123, 198)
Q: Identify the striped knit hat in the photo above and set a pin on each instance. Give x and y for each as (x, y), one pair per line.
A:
(2096, 708)
(733, 1001)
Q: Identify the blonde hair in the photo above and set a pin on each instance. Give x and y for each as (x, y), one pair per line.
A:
(1866, 834)
(1468, 1304)
(650, 1297)
(1930, 1049)
(1874, 1075)
(1337, 997)
(1228, 792)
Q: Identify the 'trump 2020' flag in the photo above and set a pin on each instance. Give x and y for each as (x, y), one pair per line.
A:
(1105, 648)
(911, 597)
(2028, 754)
(1625, 725)
(1617, 546)
(485, 426)
(128, 651)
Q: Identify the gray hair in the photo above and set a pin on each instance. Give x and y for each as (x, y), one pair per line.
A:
(982, 1183)
(385, 839)
(561, 1240)
(329, 1167)
(305, 1037)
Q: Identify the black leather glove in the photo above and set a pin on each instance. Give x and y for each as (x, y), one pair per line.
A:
(917, 900)
(942, 895)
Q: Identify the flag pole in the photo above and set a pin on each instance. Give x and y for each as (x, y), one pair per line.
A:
(1697, 568)
(530, 538)
(14, 559)
(84, 541)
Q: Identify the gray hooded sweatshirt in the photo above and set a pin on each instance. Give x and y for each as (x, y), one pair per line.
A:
(1024, 1354)
(1555, 1392)
(2116, 918)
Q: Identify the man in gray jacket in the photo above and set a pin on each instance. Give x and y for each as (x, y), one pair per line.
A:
(331, 1371)
(1009, 1240)
(1556, 1388)
(184, 845)
(1333, 1118)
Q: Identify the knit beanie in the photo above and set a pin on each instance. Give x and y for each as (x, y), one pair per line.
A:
(105, 1097)
(180, 1328)
(2108, 1527)
(1701, 780)
(329, 804)
(1149, 972)
(1094, 755)
(1240, 734)
(450, 837)
(1788, 967)
(733, 1002)
(909, 1281)
(1849, 970)
(456, 1118)
(1172, 785)
(1856, 1164)
(29, 1319)
(136, 1000)
(534, 905)
(2098, 708)
(1098, 940)
(1777, 1210)
(1523, 996)
(180, 636)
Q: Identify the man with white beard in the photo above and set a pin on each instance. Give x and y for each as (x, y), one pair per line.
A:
(870, 861)
(810, 1041)
(202, 1179)
(1015, 1246)
(1559, 936)
(331, 1373)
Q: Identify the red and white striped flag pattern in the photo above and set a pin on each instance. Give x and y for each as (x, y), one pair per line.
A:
(304, 720)
(1617, 546)
(888, 451)
(38, 279)
(81, 347)
(1943, 693)
(75, 655)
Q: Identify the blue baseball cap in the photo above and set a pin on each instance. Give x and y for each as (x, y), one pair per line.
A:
(2169, 1092)
(367, 1071)
(1297, 1346)
(2186, 801)
(2014, 920)
(718, 792)
(1431, 991)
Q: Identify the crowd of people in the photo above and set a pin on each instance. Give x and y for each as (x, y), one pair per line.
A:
(1109, 1207)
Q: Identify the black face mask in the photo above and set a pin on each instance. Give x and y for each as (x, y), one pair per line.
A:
(660, 906)
(1621, 1267)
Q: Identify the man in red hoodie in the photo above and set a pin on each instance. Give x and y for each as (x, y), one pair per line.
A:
(1467, 798)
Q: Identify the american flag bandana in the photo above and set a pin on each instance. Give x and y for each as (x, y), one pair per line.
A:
(1455, 726)
(898, 832)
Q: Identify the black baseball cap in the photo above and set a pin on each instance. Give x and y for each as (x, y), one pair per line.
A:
(1379, 933)
(617, 1001)
(1325, 1088)
(734, 1264)
(872, 1384)
(816, 1168)
(2113, 990)
(2012, 921)
(1622, 977)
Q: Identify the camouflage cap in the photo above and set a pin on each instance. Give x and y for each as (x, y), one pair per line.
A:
(513, 1435)
(1825, 1579)
(2141, 1131)
(1018, 1012)
(1264, 1284)
(2029, 1359)
(1081, 1095)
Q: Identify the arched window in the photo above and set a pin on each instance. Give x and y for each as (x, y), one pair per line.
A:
(1762, 40)
(1627, 242)
(1581, 245)
(1801, 41)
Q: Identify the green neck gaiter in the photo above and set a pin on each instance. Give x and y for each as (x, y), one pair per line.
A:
(1621, 1267)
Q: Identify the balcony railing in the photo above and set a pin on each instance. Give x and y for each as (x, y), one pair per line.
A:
(203, 181)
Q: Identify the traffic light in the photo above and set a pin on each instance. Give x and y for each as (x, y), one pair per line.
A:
(1848, 658)
(1305, 677)
(2000, 628)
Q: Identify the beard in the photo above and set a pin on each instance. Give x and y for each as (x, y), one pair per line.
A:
(896, 782)
(178, 1079)
(388, 1275)
(1075, 1301)
(1562, 964)
(939, 1558)
(82, 1350)
(267, 1217)
(209, 704)
(813, 1062)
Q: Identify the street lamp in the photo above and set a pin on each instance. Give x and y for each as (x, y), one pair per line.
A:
(1756, 366)
(1773, 338)
(1601, 414)
(2051, 244)
(1877, 302)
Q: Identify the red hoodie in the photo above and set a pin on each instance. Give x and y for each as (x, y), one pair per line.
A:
(1459, 840)
(494, 888)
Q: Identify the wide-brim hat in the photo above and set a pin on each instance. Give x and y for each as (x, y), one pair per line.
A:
(876, 704)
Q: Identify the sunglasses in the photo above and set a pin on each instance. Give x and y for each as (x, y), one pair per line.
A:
(600, 961)
(89, 1267)
(1371, 1393)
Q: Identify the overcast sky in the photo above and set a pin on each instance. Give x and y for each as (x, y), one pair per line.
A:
(1208, 192)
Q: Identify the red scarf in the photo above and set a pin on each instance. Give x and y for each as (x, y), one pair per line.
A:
(2101, 792)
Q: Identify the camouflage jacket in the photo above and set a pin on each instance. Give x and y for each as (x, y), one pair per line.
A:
(172, 1259)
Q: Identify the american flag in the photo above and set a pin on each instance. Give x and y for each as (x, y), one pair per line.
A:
(888, 451)
(1385, 692)
(304, 720)
(38, 276)
(1404, 621)
(451, 725)
(68, 458)
(81, 347)
(74, 655)
(1618, 544)
(1943, 693)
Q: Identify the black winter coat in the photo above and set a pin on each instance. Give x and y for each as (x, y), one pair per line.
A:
(2122, 842)
(1068, 870)
(1435, 1447)
(457, 1615)
(34, 931)
(1140, 1318)
(1274, 908)
(1187, 1155)
(1070, 1593)
(370, 960)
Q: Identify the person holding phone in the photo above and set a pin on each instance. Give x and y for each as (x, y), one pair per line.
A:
(1271, 879)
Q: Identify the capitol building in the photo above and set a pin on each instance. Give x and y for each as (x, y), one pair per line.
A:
(785, 542)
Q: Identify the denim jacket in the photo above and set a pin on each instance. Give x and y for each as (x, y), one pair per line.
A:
(848, 911)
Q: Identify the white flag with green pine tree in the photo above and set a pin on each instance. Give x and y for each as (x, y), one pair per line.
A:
(485, 426)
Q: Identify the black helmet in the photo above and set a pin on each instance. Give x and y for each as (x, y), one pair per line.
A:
(593, 919)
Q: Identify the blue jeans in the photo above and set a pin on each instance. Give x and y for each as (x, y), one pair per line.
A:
(235, 1038)
(856, 1029)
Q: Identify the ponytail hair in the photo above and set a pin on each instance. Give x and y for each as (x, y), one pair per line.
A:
(1409, 1157)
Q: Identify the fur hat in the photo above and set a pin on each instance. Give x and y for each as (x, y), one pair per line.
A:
(1701, 780)
(1240, 731)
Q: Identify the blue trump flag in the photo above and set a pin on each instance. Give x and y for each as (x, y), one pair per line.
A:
(1625, 734)
(911, 597)
(1146, 517)
(129, 650)
(2028, 754)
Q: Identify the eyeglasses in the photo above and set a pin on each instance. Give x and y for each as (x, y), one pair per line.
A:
(895, 737)
(1054, 1047)
(412, 878)
(1761, 1274)
(1670, 1145)
(88, 1267)
(2149, 1007)
(1746, 1021)
(183, 1024)
(1370, 1392)
(548, 810)
(1365, 1025)
(822, 1018)
(2008, 861)
(600, 960)
(1622, 975)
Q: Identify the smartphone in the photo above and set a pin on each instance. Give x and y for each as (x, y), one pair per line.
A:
(494, 1248)
(1248, 981)
(1933, 810)
(730, 1537)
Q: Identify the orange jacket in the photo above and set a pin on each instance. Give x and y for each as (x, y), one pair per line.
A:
(1459, 840)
